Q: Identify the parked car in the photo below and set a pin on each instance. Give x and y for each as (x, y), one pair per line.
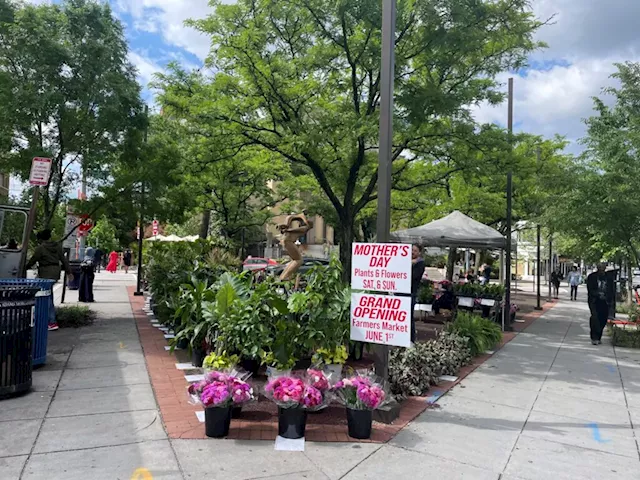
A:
(258, 263)
(307, 264)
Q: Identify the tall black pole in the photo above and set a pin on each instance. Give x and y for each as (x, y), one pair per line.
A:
(387, 74)
(550, 264)
(506, 320)
(538, 260)
(138, 291)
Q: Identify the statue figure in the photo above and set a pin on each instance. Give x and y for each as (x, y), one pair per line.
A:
(295, 227)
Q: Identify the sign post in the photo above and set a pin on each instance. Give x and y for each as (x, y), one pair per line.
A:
(381, 319)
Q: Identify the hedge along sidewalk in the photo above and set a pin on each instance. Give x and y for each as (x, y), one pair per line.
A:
(179, 416)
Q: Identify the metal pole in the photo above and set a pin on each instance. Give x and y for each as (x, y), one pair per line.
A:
(506, 320)
(538, 259)
(138, 291)
(83, 194)
(550, 264)
(31, 221)
(387, 74)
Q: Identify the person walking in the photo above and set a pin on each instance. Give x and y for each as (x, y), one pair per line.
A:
(556, 278)
(87, 276)
(575, 279)
(97, 259)
(126, 259)
(113, 262)
(601, 294)
(417, 270)
(51, 260)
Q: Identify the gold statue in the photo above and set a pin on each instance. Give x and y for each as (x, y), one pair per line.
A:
(295, 227)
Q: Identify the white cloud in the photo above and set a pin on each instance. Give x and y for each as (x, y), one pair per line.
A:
(146, 67)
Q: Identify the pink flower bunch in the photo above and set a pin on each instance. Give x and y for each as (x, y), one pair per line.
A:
(292, 392)
(318, 379)
(220, 389)
(360, 393)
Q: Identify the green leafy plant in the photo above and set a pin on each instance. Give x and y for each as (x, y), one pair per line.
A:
(74, 317)
(425, 293)
(220, 361)
(467, 289)
(632, 310)
(335, 356)
(412, 371)
(483, 334)
(194, 326)
(625, 337)
(492, 290)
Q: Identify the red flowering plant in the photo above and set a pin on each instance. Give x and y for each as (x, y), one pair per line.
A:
(307, 390)
(221, 389)
(361, 391)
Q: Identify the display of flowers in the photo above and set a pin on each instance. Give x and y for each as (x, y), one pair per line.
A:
(360, 392)
(298, 391)
(220, 389)
(318, 379)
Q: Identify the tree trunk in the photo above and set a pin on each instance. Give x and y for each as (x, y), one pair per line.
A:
(451, 262)
(206, 221)
(345, 237)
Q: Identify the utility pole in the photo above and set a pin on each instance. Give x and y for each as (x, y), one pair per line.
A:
(139, 291)
(387, 74)
(83, 194)
(538, 261)
(506, 318)
(550, 263)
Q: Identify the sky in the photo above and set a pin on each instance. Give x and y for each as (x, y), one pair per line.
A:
(552, 96)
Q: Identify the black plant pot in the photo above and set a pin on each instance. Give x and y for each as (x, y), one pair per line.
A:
(359, 422)
(303, 364)
(250, 365)
(217, 421)
(197, 357)
(355, 350)
(292, 422)
(236, 412)
(182, 344)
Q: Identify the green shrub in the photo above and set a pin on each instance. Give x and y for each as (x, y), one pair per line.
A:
(412, 371)
(633, 310)
(625, 337)
(74, 317)
(483, 334)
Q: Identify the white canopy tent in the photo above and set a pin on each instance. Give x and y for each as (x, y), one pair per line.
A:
(172, 238)
(456, 230)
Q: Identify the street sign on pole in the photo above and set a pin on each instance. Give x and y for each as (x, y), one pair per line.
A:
(155, 228)
(70, 231)
(40, 172)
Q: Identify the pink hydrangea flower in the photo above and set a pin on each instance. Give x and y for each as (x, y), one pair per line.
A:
(215, 394)
(318, 380)
(312, 397)
(241, 391)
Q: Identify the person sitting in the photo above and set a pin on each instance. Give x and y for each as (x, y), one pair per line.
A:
(446, 300)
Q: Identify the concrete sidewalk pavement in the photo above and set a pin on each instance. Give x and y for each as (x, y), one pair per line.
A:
(548, 405)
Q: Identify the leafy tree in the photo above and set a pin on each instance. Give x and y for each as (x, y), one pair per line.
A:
(68, 91)
(103, 236)
(301, 79)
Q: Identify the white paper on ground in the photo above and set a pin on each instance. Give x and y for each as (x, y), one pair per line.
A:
(184, 366)
(289, 444)
(167, 348)
(490, 352)
(194, 378)
(200, 416)
(150, 314)
(163, 329)
(169, 336)
(448, 378)
(519, 321)
(156, 324)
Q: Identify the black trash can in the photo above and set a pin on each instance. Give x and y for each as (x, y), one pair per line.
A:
(17, 304)
(74, 283)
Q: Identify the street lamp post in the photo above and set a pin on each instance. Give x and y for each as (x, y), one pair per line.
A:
(387, 74)
(538, 261)
(506, 317)
(139, 291)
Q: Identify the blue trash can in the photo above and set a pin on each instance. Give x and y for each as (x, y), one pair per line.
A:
(44, 306)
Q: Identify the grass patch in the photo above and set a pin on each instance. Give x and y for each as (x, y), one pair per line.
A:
(74, 317)
(625, 337)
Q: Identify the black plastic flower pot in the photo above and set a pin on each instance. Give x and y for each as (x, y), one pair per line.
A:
(197, 357)
(236, 412)
(292, 422)
(217, 421)
(250, 365)
(359, 423)
(182, 344)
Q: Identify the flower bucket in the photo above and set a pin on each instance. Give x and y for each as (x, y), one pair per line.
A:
(217, 421)
(250, 365)
(197, 357)
(359, 423)
(236, 412)
(274, 372)
(292, 422)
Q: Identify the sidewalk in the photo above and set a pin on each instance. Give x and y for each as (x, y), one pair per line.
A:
(547, 406)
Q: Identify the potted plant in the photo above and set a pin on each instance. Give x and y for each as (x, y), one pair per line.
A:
(220, 361)
(218, 393)
(194, 326)
(295, 396)
(332, 360)
(360, 395)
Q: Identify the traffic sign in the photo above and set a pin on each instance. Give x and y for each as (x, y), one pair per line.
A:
(155, 228)
(85, 226)
(40, 172)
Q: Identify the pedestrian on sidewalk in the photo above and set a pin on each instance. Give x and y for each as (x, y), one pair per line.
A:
(417, 270)
(113, 262)
(87, 275)
(575, 279)
(97, 259)
(601, 294)
(50, 259)
(556, 278)
(126, 259)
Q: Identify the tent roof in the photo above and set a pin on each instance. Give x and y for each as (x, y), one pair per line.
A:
(454, 230)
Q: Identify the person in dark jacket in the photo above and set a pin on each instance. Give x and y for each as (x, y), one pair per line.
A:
(50, 259)
(601, 295)
(97, 259)
(87, 275)
(417, 270)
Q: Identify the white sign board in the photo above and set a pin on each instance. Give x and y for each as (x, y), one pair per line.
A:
(40, 171)
(71, 223)
(382, 267)
(382, 319)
